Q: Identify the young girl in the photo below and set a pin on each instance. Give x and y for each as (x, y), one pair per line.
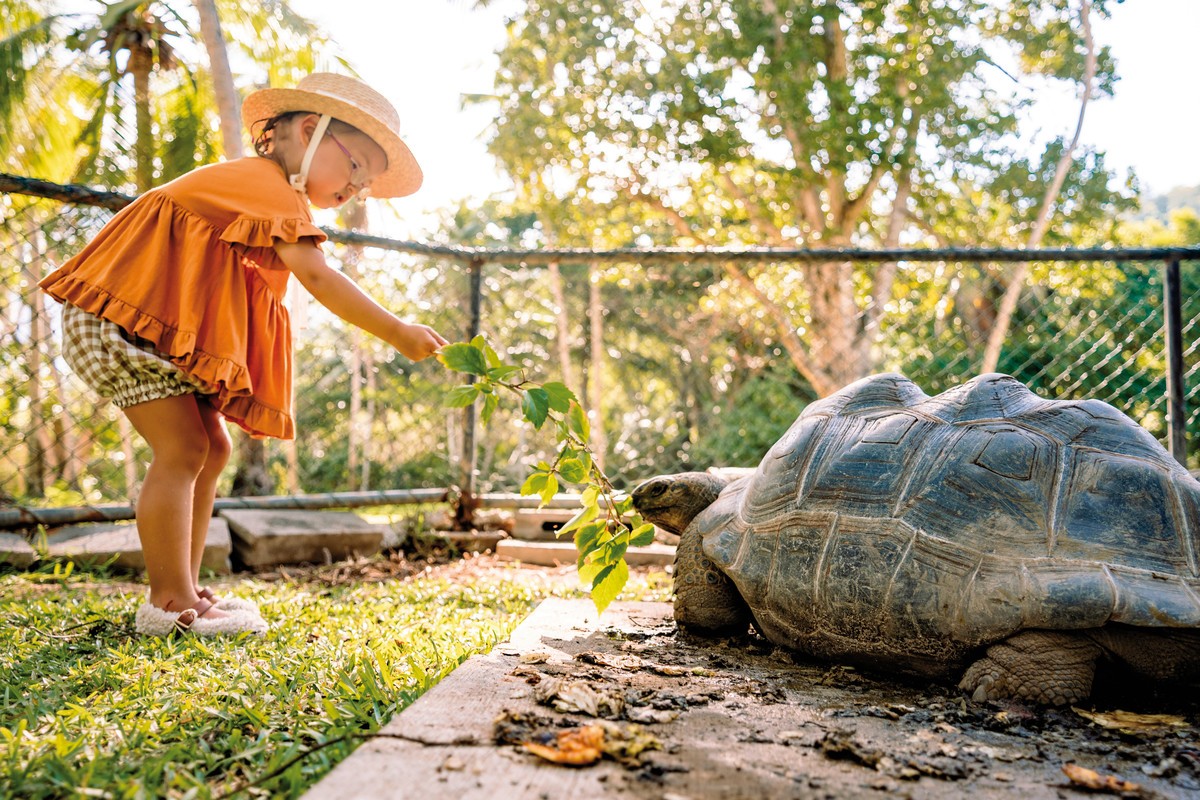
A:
(175, 312)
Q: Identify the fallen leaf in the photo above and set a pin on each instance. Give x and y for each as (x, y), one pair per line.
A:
(651, 716)
(1130, 722)
(625, 743)
(584, 746)
(535, 658)
(616, 661)
(1090, 779)
(530, 674)
(577, 696)
(839, 745)
(577, 747)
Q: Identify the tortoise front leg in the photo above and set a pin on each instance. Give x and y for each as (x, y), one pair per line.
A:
(705, 599)
(1051, 667)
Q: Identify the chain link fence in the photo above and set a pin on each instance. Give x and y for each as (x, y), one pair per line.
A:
(684, 359)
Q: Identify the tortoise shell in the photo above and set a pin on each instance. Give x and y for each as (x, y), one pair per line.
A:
(890, 525)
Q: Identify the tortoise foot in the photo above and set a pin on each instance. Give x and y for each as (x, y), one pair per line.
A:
(1048, 667)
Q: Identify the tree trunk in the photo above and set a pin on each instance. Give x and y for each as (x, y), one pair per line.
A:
(37, 476)
(222, 77)
(355, 218)
(1008, 304)
(140, 63)
(562, 325)
(599, 442)
(298, 305)
(368, 367)
(252, 478)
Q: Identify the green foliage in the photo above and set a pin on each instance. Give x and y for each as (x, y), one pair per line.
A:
(601, 541)
(89, 709)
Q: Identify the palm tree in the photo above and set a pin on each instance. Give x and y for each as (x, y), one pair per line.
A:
(146, 111)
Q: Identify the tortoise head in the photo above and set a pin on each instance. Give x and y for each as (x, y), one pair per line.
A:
(672, 501)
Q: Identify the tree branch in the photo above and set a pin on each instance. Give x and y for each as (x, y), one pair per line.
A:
(1008, 304)
(836, 71)
(809, 202)
(885, 273)
(752, 209)
(785, 328)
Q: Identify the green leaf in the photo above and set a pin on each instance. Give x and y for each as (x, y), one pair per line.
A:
(577, 422)
(608, 584)
(588, 572)
(489, 407)
(535, 404)
(642, 536)
(587, 539)
(591, 495)
(463, 357)
(560, 396)
(573, 470)
(502, 372)
(549, 490)
(534, 484)
(615, 549)
(490, 356)
(462, 396)
(586, 514)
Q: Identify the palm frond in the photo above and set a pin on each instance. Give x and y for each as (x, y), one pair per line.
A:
(26, 38)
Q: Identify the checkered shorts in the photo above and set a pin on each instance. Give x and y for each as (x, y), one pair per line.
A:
(119, 366)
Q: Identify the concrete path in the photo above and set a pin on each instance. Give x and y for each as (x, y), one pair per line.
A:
(737, 719)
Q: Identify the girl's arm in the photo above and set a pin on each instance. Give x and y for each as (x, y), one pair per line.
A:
(342, 296)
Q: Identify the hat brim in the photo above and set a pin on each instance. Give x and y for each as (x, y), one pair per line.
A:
(403, 175)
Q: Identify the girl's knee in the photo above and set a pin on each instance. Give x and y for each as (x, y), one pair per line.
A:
(220, 448)
(186, 452)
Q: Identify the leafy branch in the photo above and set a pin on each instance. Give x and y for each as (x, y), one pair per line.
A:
(599, 528)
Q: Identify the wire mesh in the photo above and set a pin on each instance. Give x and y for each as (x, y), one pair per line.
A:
(682, 365)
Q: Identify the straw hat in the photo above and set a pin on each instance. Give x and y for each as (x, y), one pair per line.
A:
(354, 103)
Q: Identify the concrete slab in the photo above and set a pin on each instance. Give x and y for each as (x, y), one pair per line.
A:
(734, 719)
(16, 551)
(539, 524)
(440, 746)
(549, 554)
(470, 541)
(269, 537)
(118, 542)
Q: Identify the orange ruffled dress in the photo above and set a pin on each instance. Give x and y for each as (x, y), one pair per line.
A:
(191, 266)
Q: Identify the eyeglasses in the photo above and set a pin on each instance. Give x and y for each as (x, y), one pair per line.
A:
(358, 173)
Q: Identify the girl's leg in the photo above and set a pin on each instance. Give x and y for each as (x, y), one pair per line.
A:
(175, 431)
(219, 448)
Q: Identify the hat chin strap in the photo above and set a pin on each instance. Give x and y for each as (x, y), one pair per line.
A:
(299, 180)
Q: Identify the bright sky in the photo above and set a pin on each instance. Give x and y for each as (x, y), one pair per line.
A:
(425, 54)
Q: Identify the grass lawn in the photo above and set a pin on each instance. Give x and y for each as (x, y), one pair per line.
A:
(90, 709)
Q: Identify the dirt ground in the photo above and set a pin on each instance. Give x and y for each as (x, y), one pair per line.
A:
(740, 718)
(653, 712)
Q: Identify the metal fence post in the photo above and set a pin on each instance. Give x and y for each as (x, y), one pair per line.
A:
(1173, 313)
(465, 512)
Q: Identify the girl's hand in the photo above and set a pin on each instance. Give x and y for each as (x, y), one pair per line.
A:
(418, 341)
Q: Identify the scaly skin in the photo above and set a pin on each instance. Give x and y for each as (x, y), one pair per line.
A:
(705, 599)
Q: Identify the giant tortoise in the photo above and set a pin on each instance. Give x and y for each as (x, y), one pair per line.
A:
(1027, 540)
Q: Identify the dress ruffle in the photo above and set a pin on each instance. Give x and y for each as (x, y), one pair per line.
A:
(210, 299)
(265, 232)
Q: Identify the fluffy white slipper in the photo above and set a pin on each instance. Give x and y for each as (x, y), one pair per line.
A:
(230, 603)
(153, 621)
